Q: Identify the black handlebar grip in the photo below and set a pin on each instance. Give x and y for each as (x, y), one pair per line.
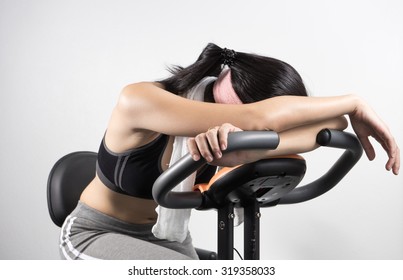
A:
(242, 140)
(334, 139)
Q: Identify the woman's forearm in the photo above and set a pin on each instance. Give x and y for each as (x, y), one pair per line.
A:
(297, 140)
(287, 112)
(303, 138)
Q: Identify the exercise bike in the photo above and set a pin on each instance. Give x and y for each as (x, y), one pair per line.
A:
(265, 183)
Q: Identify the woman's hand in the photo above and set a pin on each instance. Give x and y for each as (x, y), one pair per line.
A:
(366, 123)
(211, 144)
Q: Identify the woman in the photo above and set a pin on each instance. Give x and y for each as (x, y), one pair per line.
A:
(116, 213)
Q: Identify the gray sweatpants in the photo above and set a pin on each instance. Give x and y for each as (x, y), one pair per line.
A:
(90, 234)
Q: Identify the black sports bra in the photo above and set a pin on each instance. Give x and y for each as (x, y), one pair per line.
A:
(135, 171)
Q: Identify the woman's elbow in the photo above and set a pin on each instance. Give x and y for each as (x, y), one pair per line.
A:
(340, 123)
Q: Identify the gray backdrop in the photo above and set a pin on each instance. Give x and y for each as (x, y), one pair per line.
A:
(63, 63)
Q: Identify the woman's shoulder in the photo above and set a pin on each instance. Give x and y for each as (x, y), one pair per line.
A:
(139, 93)
(127, 127)
(141, 87)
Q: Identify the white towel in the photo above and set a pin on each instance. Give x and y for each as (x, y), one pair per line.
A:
(172, 224)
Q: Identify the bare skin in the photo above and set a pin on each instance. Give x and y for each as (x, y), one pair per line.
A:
(136, 121)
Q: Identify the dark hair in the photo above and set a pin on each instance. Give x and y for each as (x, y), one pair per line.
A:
(254, 77)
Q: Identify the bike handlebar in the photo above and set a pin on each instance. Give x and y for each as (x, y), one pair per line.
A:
(333, 139)
(247, 140)
(242, 140)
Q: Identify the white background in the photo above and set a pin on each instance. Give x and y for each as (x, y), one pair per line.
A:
(63, 63)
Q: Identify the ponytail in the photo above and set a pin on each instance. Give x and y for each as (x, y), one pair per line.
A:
(253, 77)
(183, 79)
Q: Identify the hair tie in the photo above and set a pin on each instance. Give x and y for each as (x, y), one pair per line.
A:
(223, 91)
(228, 56)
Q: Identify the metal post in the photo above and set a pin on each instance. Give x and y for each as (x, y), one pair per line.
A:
(251, 231)
(226, 232)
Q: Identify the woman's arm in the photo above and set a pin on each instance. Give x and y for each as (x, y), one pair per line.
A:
(302, 139)
(149, 107)
(295, 111)
(293, 141)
